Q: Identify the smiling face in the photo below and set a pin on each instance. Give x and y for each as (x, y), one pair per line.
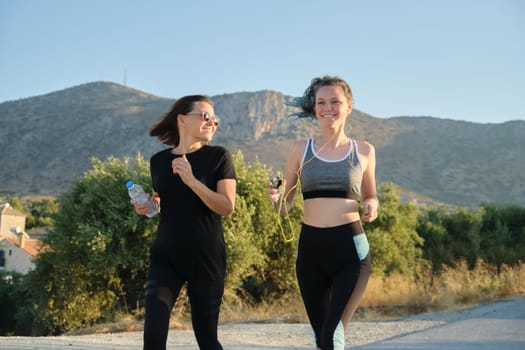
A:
(196, 126)
(331, 104)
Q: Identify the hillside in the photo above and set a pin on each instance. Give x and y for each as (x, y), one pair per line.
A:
(48, 140)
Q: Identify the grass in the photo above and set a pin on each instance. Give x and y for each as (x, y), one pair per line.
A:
(400, 295)
(386, 297)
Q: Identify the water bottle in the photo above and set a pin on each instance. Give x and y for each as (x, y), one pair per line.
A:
(137, 193)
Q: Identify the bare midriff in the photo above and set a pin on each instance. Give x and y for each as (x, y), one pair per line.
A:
(329, 212)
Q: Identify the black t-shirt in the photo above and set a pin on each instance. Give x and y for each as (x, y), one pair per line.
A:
(190, 235)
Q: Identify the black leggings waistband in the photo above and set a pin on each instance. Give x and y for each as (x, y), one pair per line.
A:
(355, 227)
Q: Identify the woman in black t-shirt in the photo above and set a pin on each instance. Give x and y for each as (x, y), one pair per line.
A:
(195, 185)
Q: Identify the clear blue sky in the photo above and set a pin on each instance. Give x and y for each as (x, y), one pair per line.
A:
(457, 59)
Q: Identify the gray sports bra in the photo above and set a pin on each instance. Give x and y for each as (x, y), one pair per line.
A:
(331, 178)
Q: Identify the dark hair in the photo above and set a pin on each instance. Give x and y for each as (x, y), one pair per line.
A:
(167, 129)
(307, 101)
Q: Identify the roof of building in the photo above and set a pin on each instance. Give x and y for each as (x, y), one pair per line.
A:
(31, 246)
(7, 209)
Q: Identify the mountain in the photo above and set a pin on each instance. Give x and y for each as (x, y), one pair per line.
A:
(47, 141)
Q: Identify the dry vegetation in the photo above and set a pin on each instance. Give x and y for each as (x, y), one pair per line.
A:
(386, 297)
(399, 295)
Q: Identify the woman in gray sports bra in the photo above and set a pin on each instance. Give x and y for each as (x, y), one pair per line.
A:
(335, 173)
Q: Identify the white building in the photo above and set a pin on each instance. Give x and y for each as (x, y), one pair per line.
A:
(17, 249)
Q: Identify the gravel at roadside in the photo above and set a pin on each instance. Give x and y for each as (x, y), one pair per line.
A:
(273, 336)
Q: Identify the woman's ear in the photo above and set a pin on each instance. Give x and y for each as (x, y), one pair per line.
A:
(180, 119)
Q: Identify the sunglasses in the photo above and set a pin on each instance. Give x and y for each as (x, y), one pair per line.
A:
(206, 117)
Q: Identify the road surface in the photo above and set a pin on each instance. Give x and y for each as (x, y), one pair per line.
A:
(496, 326)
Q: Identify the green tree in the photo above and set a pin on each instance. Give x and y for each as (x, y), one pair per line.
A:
(41, 212)
(96, 256)
(394, 241)
(431, 228)
(16, 203)
(451, 236)
(502, 234)
(274, 237)
(12, 293)
(243, 253)
(463, 229)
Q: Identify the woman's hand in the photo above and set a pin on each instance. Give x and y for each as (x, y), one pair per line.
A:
(273, 194)
(145, 208)
(370, 206)
(220, 201)
(182, 167)
(274, 185)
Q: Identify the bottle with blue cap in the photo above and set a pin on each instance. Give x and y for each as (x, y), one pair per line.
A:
(137, 194)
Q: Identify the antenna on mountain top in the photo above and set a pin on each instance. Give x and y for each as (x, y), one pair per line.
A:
(125, 77)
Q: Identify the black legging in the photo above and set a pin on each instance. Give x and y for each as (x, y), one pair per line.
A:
(331, 278)
(205, 300)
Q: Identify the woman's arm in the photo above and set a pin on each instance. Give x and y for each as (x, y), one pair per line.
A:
(221, 202)
(368, 185)
(283, 201)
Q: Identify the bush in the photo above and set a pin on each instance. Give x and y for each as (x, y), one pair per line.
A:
(271, 254)
(96, 256)
(395, 243)
(15, 318)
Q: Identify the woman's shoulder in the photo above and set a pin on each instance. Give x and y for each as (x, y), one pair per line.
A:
(216, 149)
(299, 145)
(162, 153)
(296, 152)
(365, 147)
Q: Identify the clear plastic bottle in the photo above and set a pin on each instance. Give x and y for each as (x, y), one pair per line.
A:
(137, 193)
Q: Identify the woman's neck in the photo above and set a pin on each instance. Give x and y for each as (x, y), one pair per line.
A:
(333, 139)
(187, 147)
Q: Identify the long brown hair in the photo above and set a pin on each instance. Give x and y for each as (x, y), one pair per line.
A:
(167, 129)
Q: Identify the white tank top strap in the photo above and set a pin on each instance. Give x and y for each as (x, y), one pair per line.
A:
(308, 144)
(356, 149)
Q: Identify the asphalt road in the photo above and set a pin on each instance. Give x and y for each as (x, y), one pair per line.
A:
(494, 326)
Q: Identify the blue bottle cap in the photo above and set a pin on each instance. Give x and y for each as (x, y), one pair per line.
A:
(129, 184)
